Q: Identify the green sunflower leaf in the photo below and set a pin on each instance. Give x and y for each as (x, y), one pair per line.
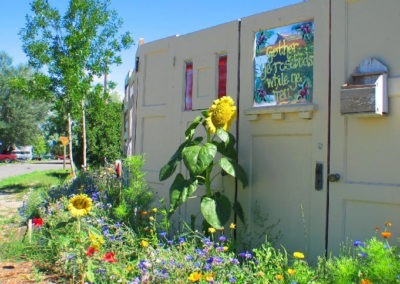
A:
(216, 210)
(232, 168)
(180, 190)
(198, 158)
(192, 127)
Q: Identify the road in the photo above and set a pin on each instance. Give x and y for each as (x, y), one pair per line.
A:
(16, 169)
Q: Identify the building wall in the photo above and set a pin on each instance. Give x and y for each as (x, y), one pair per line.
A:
(288, 148)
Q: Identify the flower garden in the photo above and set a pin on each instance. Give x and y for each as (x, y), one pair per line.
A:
(102, 227)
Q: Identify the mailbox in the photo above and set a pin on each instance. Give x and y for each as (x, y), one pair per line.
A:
(366, 91)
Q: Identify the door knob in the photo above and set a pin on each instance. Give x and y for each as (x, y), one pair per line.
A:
(334, 177)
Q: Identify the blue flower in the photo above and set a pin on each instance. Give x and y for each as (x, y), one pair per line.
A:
(207, 266)
(358, 243)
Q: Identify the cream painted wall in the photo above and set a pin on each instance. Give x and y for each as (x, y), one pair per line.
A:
(280, 146)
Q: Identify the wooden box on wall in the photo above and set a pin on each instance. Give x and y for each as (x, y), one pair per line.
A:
(366, 93)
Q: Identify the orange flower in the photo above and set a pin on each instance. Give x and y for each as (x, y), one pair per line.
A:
(365, 281)
(386, 235)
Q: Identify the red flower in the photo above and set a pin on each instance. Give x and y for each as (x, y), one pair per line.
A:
(91, 251)
(37, 222)
(109, 257)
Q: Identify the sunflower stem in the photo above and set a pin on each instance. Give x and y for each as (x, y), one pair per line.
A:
(208, 170)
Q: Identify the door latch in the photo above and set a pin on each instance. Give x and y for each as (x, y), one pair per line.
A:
(334, 177)
(319, 173)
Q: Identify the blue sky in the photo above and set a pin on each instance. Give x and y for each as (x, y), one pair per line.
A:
(150, 20)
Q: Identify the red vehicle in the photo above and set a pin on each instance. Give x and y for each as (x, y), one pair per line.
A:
(7, 158)
(61, 157)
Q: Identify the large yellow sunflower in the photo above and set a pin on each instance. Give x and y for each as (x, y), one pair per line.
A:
(80, 205)
(221, 114)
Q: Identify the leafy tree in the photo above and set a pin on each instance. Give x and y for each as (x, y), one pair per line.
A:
(20, 116)
(39, 145)
(73, 48)
(103, 124)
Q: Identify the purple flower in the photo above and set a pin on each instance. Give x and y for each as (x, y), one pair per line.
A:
(220, 249)
(234, 261)
(232, 280)
(246, 255)
(222, 239)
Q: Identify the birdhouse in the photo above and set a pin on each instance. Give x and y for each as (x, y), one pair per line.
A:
(366, 91)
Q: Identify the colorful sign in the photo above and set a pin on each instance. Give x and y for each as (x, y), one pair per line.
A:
(64, 140)
(283, 65)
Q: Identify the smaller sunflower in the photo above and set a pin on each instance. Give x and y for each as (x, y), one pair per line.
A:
(221, 114)
(80, 205)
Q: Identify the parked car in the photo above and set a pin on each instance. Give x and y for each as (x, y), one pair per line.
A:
(61, 157)
(7, 158)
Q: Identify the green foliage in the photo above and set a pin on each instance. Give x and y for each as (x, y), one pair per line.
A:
(201, 159)
(133, 194)
(20, 115)
(74, 48)
(103, 129)
(98, 249)
(39, 145)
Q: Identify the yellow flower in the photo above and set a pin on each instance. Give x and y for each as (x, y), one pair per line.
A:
(212, 230)
(226, 248)
(209, 277)
(154, 210)
(298, 255)
(291, 271)
(221, 114)
(195, 276)
(279, 277)
(95, 241)
(80, 205)
(232, 226)
(151, 218)
(144, 243)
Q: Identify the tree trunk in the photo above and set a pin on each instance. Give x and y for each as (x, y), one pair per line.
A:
(71, 159)
(83, 137)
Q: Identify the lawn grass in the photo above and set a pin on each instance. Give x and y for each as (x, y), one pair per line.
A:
(19, 185)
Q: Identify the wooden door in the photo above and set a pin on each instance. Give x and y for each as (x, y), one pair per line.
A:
(283, 142)
(364, 150)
